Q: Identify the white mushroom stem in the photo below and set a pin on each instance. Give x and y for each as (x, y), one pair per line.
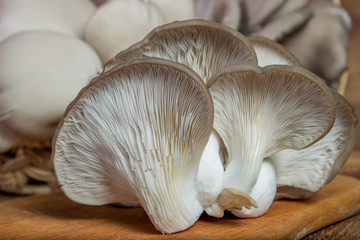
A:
(210, 175)
(263, 193)
(249, 153)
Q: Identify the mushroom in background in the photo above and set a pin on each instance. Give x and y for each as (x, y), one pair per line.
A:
(40, 73)
(321, 45)
(317, 34)
(69, 17)
(116, 25)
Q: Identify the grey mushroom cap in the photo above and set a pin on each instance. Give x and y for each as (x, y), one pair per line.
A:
(137, 133)
(204, 46)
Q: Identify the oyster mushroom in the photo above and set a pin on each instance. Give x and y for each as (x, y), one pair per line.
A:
(261, 111)
(67, 17)
(301, 173)
(116, 25)
(203, 46)
(40, 73)
(137, 133)
(325, 36)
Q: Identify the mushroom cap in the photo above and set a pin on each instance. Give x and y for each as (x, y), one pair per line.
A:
(204, 46)
(137, 132)
(67, 17)
(261, 111)
(270, 52)
(116, 25)
(301, 173)
(40, 73)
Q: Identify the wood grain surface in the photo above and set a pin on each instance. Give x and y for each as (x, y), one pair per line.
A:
(54, 216)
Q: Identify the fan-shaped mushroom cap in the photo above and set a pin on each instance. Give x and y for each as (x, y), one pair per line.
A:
(116, 25)
(303, 172)
(203, 46)
(62, 16)
(40, 73)
(261, 111)
(270, 52)
(137, 132)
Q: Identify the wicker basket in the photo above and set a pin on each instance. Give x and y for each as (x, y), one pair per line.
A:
(28, 169)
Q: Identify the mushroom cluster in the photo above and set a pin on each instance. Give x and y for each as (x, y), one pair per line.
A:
(197, 117)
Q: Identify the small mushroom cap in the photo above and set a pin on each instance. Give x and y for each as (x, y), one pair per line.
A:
(204, 46)
(67, 17)
(137, 132)
(302, 173)
(116, 25)
(261, 111)
(270, 52)
(40, 73)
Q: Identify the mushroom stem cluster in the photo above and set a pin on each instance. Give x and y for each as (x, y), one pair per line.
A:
(197, 117)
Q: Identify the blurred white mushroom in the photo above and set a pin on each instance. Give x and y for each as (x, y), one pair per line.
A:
(63, 16)
(40, 73)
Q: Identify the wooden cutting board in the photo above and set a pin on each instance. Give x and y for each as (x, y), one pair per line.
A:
(54, 216)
